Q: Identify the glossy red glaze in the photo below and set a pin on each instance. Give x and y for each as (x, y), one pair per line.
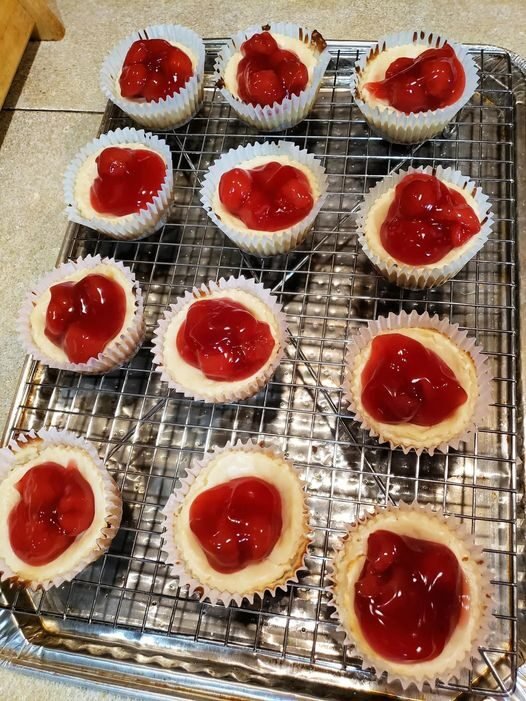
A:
(56, 505)
(237, 523)
(430, 81)
(127, 180)
(268, 198)
(426, 220)
(409, 597)
(83, 317)
(224, 340)
(267, 74)
(405, 382)
(154, 70)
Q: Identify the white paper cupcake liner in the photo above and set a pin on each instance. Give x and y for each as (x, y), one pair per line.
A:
(118, 351)
(173, 111)
(130, 226)
(463, 661)
(401, 128)
(263, 243)
(420, 277)
(293, 109)
(362, 338)
(175, 558)
(221, 394)
(112, 503)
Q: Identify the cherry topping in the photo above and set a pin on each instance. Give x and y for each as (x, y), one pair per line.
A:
(224, 340)
(408, 597)
(154, 70)
(83, 317)
(405, 382)
(426, 220)
(267, 74)
(237, 523)
(430, 81)
(56, 505)
(127, 181)
(268, 198)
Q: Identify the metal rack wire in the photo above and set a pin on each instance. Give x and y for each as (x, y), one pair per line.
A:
(149, 436)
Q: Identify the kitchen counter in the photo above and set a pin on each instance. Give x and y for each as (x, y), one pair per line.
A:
(55, 106)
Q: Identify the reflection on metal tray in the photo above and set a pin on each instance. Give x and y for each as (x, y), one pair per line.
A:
(124, 621)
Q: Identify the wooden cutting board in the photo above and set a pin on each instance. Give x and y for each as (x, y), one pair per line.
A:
(21, 20)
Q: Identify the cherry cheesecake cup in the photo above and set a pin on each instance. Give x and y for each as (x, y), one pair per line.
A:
(255, 241)
(410, 127)
(174, 110)
(63, 449)
(85, 169)
(281, 555)
(33, 321)
(430, 535)
(292, 109)
(201, 377)
(432, 414)
(375, 209)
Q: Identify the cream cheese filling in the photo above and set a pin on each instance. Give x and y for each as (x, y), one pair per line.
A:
(378, 213)
(408, 434)
(234, 222)
(191, 55)
(351, 560)
(305, 54)
(227, 466)
(38, 314)
(193, 378)
(84, 544)
(376, 68)
(86, 176)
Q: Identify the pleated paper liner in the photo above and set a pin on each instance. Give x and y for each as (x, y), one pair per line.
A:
(10, 458)
(292, 110)
(456, 658)
(413, 128)
(264, 243)
(176, 558)
(212, 391)
(118, 351)
(129, 227)
(465, 344)
(173, 111)
(433, 275)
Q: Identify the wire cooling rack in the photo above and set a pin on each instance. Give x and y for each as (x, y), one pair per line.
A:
(126, 610)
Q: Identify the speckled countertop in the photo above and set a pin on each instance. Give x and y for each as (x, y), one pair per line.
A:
(55, 106)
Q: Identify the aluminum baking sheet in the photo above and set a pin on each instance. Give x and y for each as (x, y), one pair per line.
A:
(124, 621)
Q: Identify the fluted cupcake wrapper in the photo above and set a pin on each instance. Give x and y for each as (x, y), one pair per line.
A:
(112, 503)
(401, 128)
(130, 226)
(264, 243)
(118, 351)
(293, 109)
(466, 657)
(420, 277)
(253, 384)
(176, 560)
(362, 338)
(173, 111)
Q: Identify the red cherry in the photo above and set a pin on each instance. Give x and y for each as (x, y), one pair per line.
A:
(114, 162)
(137, 53)
(234, 188)
(438, 77)
(81, 344)
(410, 93)
(177, 65)
(265, 87)
(62, 308)
(156, 87)
(298, 193)
(262, 43)
(40, 491)
(401, 64)
(418, 196)
(132, 80)
(158, 48)
(294, 76)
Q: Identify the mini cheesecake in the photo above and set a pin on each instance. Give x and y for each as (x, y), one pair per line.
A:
(85, 316)
(412, 594)
(238, 526)
(59, 508)
(221, 343)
